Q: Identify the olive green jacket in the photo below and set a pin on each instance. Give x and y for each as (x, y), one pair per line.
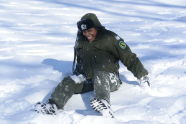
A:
(104, 53)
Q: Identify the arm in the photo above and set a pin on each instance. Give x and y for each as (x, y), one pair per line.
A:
(76, 63)
(76, 69)
(129, 59)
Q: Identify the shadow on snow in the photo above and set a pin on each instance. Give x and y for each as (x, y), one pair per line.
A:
(154, 4)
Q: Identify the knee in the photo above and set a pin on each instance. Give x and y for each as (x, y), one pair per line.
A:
(101, 78)
(67, 81)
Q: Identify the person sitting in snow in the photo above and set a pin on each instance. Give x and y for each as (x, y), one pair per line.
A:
(95, 68)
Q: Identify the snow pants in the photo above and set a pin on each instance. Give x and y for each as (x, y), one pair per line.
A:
(102, 84)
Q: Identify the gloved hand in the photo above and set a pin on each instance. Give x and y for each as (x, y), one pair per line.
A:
(144, 81)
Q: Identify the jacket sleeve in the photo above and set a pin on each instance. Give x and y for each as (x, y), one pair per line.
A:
(76, 62)
(128, 58)
(77, 69)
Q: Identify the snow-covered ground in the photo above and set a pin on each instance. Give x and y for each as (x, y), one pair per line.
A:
(36, 52)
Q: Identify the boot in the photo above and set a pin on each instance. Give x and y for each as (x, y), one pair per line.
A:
(46, 108)
(102, 106)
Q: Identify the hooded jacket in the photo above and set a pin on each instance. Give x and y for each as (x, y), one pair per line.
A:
(104, 53)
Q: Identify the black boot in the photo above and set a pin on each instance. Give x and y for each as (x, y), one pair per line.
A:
(102, 106)
(46, 108)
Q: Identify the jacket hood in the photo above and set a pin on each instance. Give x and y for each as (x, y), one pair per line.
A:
(94, 18)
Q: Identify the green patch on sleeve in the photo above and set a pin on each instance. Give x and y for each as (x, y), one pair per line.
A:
(122, 45)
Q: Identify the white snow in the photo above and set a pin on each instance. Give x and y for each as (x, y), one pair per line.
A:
(78, 78)
(36, 51)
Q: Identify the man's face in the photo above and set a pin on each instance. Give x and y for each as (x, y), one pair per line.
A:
(90, 34)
